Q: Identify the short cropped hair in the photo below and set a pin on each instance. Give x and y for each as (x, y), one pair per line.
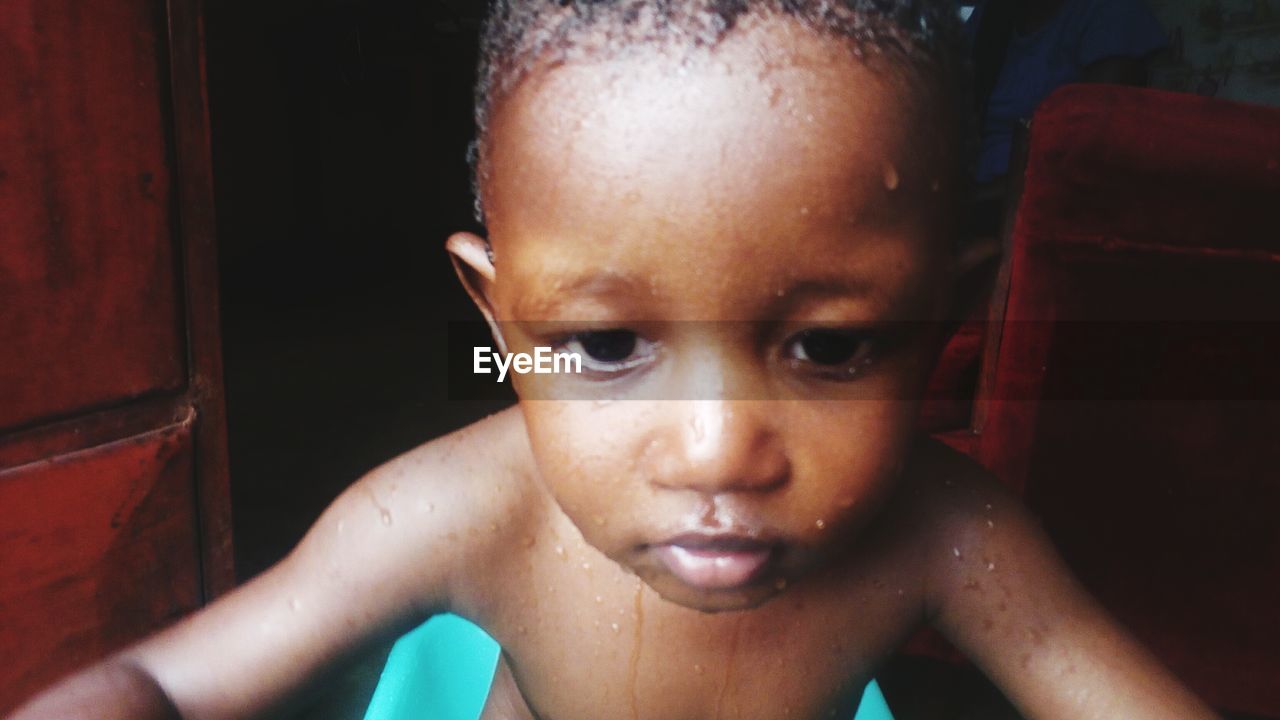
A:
(924, 37)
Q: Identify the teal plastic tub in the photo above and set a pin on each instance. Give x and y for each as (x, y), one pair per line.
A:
(443, 669)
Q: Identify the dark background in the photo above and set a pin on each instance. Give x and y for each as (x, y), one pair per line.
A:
(339, 143)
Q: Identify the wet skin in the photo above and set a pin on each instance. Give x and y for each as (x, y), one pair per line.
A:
(714, 209)
(727, 468)
(731, 519)
(717, 212)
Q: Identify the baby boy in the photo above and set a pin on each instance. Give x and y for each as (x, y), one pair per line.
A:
(739, 214)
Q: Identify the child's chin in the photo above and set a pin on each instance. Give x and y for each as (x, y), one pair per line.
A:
(712, 601)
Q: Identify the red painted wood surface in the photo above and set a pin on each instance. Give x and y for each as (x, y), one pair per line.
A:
(89, 297)
(99, 548)
(114, 499)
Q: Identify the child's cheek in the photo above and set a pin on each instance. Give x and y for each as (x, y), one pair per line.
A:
(847, 455)
(581, 450)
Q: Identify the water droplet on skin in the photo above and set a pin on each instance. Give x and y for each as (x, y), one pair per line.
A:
(699, 428)
(493, 527)
(820, 523)
(901, 592)
(586, 566)
(615, 627)
(991, 524)
(804, 211)
(698, 668)
(341, 526)
(955, 551)
(808, 118)
(991, 566)
(890, 177)
(386, 517)
(988, 507)
(560, 550)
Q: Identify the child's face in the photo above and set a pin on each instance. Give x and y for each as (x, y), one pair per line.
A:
(755, 230)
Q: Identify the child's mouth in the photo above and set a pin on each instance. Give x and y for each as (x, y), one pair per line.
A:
(715, 562)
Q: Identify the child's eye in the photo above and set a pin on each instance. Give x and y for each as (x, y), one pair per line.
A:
(834, 353)
(609, 351)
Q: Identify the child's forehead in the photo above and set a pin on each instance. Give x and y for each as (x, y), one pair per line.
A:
(737, 122)
(736, 165)
(774, 57)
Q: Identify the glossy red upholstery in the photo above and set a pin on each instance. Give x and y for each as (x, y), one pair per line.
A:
(1135, 399)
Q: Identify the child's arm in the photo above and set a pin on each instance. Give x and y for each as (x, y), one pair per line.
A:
(111, 690)
(377, 562)
(1001, 593)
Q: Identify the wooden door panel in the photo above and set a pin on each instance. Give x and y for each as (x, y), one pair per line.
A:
(89, 290)
(100, 547)
(114, 505)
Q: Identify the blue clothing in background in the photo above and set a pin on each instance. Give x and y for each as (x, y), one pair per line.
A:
(1080, 33)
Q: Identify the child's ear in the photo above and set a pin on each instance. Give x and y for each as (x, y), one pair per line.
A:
(474, 265)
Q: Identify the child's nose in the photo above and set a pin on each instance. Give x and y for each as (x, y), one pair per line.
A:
(723, 446)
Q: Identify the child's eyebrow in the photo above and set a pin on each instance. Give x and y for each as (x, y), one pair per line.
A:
(560, 291)
(829, 287)
(563, 292)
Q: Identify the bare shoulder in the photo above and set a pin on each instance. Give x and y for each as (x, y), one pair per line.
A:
(964, 516)
(995, 586)
(439, 515)
(388, 553)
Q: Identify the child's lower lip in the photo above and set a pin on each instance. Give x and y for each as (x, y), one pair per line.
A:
(713, 569)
